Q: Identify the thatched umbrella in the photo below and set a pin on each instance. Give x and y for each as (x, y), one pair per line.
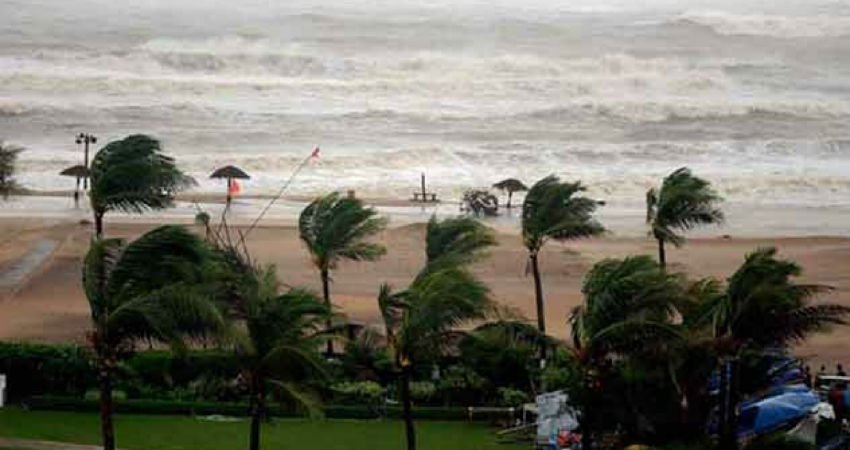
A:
(230, 173)
(78, 171)
(510, 185)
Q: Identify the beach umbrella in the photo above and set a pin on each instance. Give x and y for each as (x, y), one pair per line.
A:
(230, 173)
(510, 185)
(78, 171)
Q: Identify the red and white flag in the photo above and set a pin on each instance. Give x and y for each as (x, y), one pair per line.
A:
(315, 155)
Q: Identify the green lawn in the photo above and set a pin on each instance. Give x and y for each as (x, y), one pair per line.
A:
(177, 432)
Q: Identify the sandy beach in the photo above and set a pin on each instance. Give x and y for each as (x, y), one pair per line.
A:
(48, 304)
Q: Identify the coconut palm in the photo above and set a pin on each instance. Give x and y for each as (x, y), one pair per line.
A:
(420, 321)
(335, 228)
(8, 157)
(275, 337)
(628, 310)
(133, 175)
(461, 239)
(761, 307)
(554, 210)
(683, 202)
(154, 288)
(510, 185)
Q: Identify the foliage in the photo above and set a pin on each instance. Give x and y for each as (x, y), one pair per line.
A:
(422, 391)
(359, 392)
(133, 175)
(462, 240)
(479, 201)
(503, 353)
(511, 397)
(779, 441)
(8, 158)
(556, 210)
(34, 369)
(683, 202)
(334, 227)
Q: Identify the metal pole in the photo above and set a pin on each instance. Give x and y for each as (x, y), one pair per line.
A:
(86, 162)
(423, 188)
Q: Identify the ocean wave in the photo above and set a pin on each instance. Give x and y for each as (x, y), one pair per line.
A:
(776, 26)
(13, 108)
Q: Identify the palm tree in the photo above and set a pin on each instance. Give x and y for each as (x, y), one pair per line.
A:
(683, 202)
(554, 210)
(335, 228)
(275, 337)
(133, 175)
(8, 157)
(462, 239)
(761, 308)
(420, 321)
(628, 310)
(510, 185)
(155, 288)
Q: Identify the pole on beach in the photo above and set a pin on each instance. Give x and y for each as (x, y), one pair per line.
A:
(86, 139)
(423, 187)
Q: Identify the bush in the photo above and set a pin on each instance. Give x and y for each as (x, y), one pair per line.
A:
(511, 397)
(34, 369)
(779, 441)
(359, 393)
(422, 391)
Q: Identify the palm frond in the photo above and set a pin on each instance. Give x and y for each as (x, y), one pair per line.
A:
(556, 210)
(462, 240)
(684, 201)
(295, 395)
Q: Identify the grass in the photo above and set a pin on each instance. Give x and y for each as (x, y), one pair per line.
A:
(179, 432)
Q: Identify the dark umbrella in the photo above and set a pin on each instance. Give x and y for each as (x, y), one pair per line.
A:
(230, 172)
(510, 185)
(78, 171)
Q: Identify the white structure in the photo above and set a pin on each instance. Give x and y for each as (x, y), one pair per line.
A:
(2, 390)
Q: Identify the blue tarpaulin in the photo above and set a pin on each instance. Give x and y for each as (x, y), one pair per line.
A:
(785, 406)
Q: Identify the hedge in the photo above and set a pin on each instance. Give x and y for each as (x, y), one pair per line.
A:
(136, 406)
(33, 369)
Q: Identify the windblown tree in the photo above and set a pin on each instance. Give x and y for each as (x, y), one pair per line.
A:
(334, 228)
(628, 311)
(510, 185)
(155, 288)
(133, 175)
(422, 320)
(762, 307)
(684, 201)
(554, 210)
(275, 337)
(8, 158)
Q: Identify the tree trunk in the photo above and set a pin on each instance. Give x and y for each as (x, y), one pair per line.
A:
(587, 417)
(662, 258)
(107, 429)
(98, 224)
(407, 413)
(257, 411)
(538, 293)
(326, 293)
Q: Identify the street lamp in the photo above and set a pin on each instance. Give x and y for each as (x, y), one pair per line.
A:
(85, 138)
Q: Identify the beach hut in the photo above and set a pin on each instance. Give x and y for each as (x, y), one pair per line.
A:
(79, 172)
(230, 173)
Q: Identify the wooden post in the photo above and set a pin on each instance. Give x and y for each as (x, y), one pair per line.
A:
(424, 199)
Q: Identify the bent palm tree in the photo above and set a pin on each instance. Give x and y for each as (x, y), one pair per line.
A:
(554, 210)
(510, 185)
(683, 202)
(153, 288)
(275, 337)
(133, 175)
(8, 157)
(628, 309)
(462, 239)
(762, 307)
(334, 228)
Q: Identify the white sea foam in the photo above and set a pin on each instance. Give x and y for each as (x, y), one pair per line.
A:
(786, 27)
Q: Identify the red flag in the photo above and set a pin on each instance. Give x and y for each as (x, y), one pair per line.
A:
(315, 154)
(234, 187)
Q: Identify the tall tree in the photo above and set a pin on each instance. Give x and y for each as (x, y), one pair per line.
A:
(683, 202)
(510, 185)
(275, 337)
(628, 311)
(133, 175)
(554, 210)
(335, 228)
(762, 307)
(155, 288)
(8, 158)
(421, 321)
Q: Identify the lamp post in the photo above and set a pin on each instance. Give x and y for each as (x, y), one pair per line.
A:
(86, 139)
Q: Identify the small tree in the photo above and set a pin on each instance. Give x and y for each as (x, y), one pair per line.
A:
(155, 288)
(133, 175)
(479, 202)
(554, 210)
(8, 158)
(334, 228)
(510, 185)
(683, 202)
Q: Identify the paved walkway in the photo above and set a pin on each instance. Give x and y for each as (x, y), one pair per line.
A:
(26, 444)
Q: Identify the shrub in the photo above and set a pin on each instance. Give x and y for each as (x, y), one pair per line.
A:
(422, 391)
(511, 397)
(33, 369)
(359, 392)
(779, 441)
